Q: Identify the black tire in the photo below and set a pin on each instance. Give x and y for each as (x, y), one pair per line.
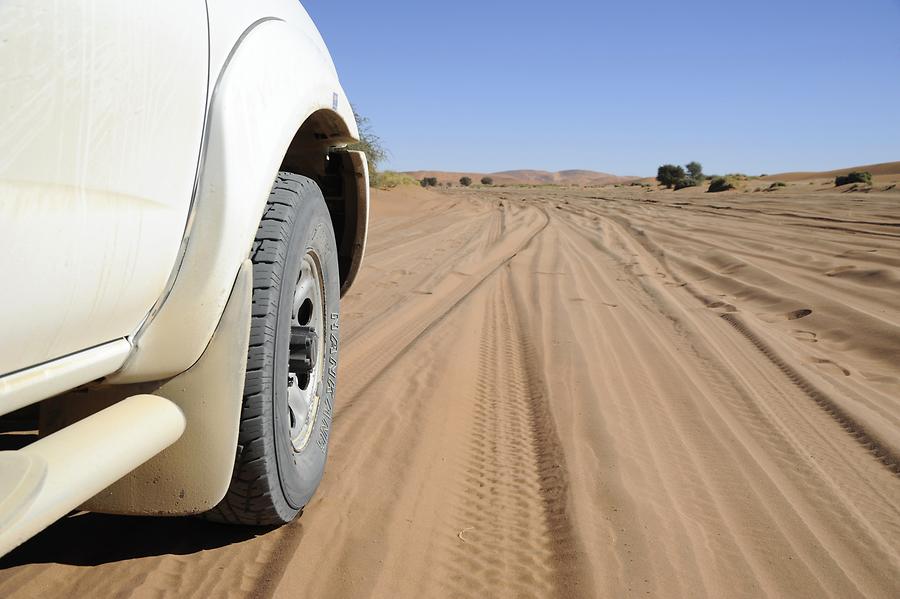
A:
(274, 476)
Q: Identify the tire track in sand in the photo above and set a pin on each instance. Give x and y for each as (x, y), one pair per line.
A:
(848, 423)
(515, 538)
(868, 439)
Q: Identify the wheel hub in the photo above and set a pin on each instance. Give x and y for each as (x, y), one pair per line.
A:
(306, 351)
(304, 341)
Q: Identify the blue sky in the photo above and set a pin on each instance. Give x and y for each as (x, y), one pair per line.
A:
(622, 87)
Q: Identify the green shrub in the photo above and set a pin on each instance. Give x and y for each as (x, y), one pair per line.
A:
(370, 144)
(669, 175)
(686, 182)
(391, 179)
(465, 181)
(487, 180)
(720, 184)
(429, 182)
(854, 177)
(776, 185)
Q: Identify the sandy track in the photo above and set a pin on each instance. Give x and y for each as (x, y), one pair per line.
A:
(577, 393)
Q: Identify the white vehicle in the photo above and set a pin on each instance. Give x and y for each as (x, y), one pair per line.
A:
(179, 216)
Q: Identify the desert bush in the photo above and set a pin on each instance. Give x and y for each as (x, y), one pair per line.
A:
(429, 182)
(370, 144)
(776, 185)
(720, 184)
(669, 175)
(686, 182)
(391, 179)
(487, 181)
(465, 181)
(864, 177)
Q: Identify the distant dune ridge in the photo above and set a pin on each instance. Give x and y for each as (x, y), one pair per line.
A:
(880, 169)
(528, 177)
(581, 178)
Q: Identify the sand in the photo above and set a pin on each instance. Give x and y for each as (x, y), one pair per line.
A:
(594, 393)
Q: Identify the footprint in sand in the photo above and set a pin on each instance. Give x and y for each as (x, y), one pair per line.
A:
(724, 305)
(807, 336)
(840, 269)
(798, 314)
(849, 253)
(831, 365)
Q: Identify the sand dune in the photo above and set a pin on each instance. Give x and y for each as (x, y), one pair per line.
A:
(577, 393)
(880, 169)
(575, 178)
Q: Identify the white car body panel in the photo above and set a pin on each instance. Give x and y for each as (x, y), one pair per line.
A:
(101, 117)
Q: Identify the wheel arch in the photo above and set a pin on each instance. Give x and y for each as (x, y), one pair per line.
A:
(276, 103)
(343, 177)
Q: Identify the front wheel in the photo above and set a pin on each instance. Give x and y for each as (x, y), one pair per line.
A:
(291, 361)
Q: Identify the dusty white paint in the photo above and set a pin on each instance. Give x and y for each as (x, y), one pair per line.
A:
(101, 117)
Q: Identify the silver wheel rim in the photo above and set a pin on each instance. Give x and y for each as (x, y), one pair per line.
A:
(307, 317)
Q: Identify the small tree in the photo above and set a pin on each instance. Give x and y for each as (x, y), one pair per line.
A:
(487, 181)
(669, 175)
(695, 170)
(465, 181)
(429, 182)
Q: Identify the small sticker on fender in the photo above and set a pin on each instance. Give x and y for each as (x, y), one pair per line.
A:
(334, 101)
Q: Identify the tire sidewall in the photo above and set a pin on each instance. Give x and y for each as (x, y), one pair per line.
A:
(299, 473)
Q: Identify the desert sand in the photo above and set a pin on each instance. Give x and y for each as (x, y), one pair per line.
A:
(607, 392)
